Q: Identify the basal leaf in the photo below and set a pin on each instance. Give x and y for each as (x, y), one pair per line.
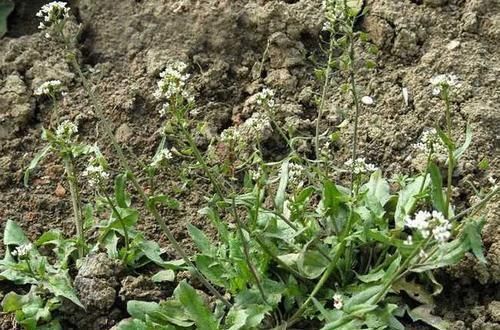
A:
(166, 275)
(195, 307)
(472, 232)
(423, 313)
(6, 7)
(13, 234)
(201, 240)
(407, 199)
(60, 285)
(121, 195)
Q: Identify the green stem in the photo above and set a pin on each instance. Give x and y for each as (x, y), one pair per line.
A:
(120, 219)
(75, 201)
(356, 109)
(429, 157)
(150, 206)
(450, 152)
(246, 251)
(323, 98)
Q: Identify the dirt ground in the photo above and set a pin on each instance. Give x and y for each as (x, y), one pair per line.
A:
(126, 43)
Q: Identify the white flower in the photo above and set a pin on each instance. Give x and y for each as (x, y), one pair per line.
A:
(95, 171)
(443, 81)
(22, 250)
(230, 135)
(257, 124)
(420, 222)
(173, 82)
(66, 130)
(367, 100)
(360, 166)
(430, 141)
(164, 109)
(338, 301)
(161, 157)
(409, 240)
(52, 13)
(266, 97)
(50, 87)
(327, 26)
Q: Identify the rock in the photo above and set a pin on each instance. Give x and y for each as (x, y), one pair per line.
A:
(281, 78)
(380, 31)
(494, 310)
(284, 52)
(435, 3)
(15, 106)
(96, 282)
(139, 288)
(405, 44)
(123, 133)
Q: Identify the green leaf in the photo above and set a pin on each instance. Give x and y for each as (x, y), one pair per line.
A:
(34, 162)
(6, 7)
(407, 199)
(423, 313)
(363, 297)
(166, 275)
(171, 203)
(152, 251)
(201, 241)
(279, 201)
(212, 269)
(156, 316)
(472, 232)
(60, 285)
(312, 264)
(377, 193)
(457, 154)
(354, 7)
(437, 188)
(195, 307)
(414, 290)
(13, 234)
(121, 195)
(371, 277)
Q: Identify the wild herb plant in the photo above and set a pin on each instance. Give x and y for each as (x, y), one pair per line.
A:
(294, 248)
(48, 278)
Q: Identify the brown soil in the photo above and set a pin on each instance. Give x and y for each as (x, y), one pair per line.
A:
(126, 43)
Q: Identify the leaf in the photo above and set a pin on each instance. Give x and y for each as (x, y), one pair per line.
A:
(13, 234)
(472, 232)
(414, 290)
(38, 157)
(279, 200)
(166, 275)
(122, 198)
(171, 203)
(423, 313)
(195, 307)
(6, 7)
(457, 154)
(377, 194)
(156, 316)
(212, 269)
(407, 199)
(152, 251)
(60, 285)
(354, 7)
(311, 264)
(437, 188)
(371, 277)
(201, 241)
(362, 298)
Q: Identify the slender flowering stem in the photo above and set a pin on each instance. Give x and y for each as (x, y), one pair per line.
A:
(75, 201)
(450, 150)
(326, 85)
(150, 206)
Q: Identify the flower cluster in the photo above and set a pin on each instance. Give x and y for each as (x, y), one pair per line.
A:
(296, 174)
(230, 135)
(66, 130)
(256, 126)
(443, 81)
(266, 97)
(52, 13)
(22, 251)
(428, 224)
(430, 141)
(51, 87)
(96, 170)
(161, 157)
(360, 166)
(173, 83)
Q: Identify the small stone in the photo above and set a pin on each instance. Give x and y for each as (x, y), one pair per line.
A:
(123, 133)
(494, 310)
(367, 100)
(452, 45)
(60, 191)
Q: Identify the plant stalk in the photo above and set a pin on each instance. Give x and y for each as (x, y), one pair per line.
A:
(75, 202)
